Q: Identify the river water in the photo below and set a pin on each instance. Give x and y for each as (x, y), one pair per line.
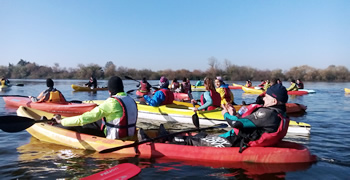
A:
(24, 157)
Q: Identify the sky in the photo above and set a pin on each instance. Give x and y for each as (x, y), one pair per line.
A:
(176, 34)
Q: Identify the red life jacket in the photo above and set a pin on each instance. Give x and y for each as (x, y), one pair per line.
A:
(169, 96)
(267, 139)
(126, 125)
(186, 87)
(144, 88)
(216, 98)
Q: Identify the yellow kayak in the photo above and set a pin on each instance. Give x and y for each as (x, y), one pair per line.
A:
(84, 88)
(347, 90)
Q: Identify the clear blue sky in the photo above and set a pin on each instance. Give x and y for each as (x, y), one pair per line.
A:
(176, 34)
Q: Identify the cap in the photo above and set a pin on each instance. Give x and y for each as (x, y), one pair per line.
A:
(279, 92)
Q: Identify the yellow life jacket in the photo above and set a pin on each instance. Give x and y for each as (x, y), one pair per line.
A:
(56, 97)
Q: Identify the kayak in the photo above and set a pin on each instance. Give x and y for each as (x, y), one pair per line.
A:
(181, 112)
(198, 88)
(67, 109)
(84, 88)
(283, 152)
(347, 90)
(260, 91)
(181, 97)
(310, 91)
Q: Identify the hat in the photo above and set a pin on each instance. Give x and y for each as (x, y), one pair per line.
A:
(49, 82)
(163, 82)
(219, 78)
(115, 85)
(278, 92)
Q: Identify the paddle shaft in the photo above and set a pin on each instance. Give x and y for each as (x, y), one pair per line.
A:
(136, 143)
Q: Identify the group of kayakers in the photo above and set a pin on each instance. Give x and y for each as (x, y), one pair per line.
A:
(262, 124)
(265, 84)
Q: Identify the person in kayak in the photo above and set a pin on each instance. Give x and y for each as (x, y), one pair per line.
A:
(199, 83)
(262, 83)
(92, 83)
(162, 96)
(144, 86)
(248, 83)
(225, 92)
(300, 84)
(210, 99)
(175, 86)
(293, 86)
(185, 86)
(264, 126)
(49, 95)
(5, 82)
(115, 118)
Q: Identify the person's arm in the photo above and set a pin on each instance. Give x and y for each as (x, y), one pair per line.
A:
(156, 100)
(208, 100)
(103, 110)
(291, 87)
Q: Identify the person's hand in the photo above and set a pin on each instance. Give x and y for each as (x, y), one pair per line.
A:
(224, 109)
(195, 109)
(193, 101)
(57, 118)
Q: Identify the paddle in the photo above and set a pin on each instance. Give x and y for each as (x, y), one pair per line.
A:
(127, 77)
(195, 118)
(136, 143)
(72, 101)
(120, 171)
(19, 84)
(18, 123)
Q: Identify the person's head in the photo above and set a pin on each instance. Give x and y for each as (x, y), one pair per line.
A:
(279, 81)
(275, 95)
(209, 83)
(163, 82)
(49, 83)
(274, 81)
(115, 85)
(298, 80)
(174, 80)
(144, 80)
(217, 83)
(292, 81)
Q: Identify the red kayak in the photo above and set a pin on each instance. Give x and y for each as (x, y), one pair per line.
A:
(66, 109)
(298, 93)
(181, 97)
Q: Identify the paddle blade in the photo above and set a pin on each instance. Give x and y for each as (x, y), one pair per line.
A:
(120, 171)
(15, 123)
(195, 120)
(19, 84)
(130, 91)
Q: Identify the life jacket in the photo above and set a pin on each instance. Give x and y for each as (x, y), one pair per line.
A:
(216, 98)
(3, 82)
(53, 96)
(125, 125)
(265, 139)
(227, 95)
(56, 97)
(144, 87)
(169, 96)
(186, 87)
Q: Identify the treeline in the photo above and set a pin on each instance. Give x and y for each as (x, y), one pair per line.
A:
(28, 70)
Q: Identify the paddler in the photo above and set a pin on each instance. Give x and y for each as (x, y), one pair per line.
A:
(293, 86)
(92, 82)
(115, 118)
(264, 126)
(162, 96)
(49, 95)
(225, 92)
(144, 86)
(210, 99)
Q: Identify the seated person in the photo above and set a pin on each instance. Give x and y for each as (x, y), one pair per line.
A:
(162, 96)
(210, 99)
(265, 126)
(293, 86)
(49, 95)
(144, 86)
(92, 82)
(300, 84)
(116, 117)
(225, 92)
